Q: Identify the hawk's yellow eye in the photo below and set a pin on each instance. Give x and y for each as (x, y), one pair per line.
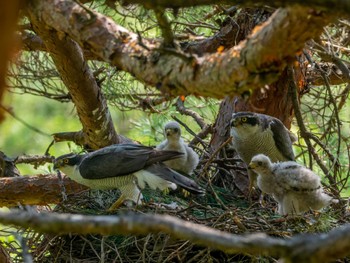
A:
(65, 160)
(244, 119)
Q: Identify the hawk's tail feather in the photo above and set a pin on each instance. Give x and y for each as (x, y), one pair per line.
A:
(170, 175)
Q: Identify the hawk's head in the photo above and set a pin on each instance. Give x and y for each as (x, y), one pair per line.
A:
(260, 163)
(246, 123)
(67, 160)
(172, 130)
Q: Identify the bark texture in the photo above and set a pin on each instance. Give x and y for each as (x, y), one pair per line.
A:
(300, 248)
(98, 129)
(36, 190)
(253, 63)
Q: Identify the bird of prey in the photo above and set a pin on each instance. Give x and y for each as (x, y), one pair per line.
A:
(125, 167)
(295, 188)
(189, 160)
(254, 133)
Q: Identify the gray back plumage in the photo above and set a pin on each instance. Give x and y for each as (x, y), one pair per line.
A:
(121, 159)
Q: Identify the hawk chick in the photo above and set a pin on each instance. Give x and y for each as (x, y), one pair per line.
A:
(189, 160)
(296, 188)
(125, 167)
(254, 133)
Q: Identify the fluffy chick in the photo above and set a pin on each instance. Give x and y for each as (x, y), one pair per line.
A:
(295, 187)
(186, 163)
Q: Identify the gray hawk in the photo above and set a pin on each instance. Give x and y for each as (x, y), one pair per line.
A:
(125, 167)
(189, 160)
(295, 188)
(254, 133)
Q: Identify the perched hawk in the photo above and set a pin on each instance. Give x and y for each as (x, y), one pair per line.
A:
(189, 160)
(254, 133)
(125, 167)
(296, 188)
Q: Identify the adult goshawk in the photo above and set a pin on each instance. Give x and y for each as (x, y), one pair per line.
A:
(254, 133)
(125, 167)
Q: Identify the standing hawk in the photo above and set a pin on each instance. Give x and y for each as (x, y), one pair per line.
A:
(125, 167)
(254, 133)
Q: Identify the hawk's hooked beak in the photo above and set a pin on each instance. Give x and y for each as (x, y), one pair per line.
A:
(251, 166)
(235, 123)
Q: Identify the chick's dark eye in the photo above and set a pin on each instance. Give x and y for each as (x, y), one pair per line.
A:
(260, 163)
(244, 119)
(176, 129)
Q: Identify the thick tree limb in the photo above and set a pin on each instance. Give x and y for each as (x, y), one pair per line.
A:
(300, 248)
(35, 190)
(338, 6)
(253, 63)
(98, 129)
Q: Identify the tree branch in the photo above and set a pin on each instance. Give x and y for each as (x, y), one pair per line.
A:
(337, 6)
(253, 63)
(306, 135)
(98, 129)
(35, 190)
(300, 248)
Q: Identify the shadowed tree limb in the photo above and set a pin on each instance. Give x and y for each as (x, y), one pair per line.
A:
(98, 129)
(300, 248)
(338, 6)
(35, 190)
(255, 62)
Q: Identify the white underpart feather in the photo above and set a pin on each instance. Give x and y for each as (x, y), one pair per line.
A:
(144, 177)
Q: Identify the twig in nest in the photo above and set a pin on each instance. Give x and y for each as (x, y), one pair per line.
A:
(205, 171)
(213, 155)
(201, 135)
(305, 133)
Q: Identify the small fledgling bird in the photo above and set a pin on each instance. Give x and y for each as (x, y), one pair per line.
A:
(173, 142)
(254, 133)
(296, 188)
(125, 167)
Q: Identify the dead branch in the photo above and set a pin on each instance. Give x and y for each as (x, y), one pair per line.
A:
(300, 248)
(34, 159)
(35, 190)
(76, 137)
(253, 63)
(180, 107)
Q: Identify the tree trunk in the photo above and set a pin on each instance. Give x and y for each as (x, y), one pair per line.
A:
(273, 99)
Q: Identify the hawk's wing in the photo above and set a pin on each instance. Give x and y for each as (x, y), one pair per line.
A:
(282, 138)
(171, 175)
(121, 159)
